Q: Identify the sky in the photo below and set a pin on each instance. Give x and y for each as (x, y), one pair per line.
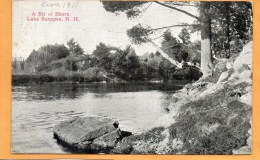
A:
(94, 25)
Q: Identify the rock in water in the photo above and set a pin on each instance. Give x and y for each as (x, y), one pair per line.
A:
(88, 133)
(107, 141)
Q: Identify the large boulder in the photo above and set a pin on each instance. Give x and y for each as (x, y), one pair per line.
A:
(244, 60)
(88, 134)
(107, 141)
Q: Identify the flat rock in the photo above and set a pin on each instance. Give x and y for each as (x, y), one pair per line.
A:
(79, 133)
(106, 141)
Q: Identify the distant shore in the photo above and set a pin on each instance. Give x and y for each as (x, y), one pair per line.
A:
(21, 79)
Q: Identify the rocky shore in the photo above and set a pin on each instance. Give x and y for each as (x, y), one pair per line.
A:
(210, 116)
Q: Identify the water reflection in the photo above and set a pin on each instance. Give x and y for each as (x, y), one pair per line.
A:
(37, 108)
(54, 91)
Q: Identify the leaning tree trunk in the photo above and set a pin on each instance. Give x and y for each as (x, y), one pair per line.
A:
(206, 57)
(165, 55)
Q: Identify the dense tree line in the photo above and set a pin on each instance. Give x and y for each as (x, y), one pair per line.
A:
(38, 59)
(224, 28)
(113, 63)
(222, 25)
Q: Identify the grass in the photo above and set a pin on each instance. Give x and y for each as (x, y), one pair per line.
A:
(217, 124)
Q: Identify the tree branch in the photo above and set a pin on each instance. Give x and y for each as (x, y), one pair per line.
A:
(177, 9)
(178, 25)
(184, 5)
(171, 3)
(165, 55)
(146, 9)
(160, 35)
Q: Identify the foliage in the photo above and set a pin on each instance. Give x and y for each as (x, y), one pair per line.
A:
(187, 73)
(126, 65)
(49, 57)
(185, 36)
(71, 65)
(22, 65)
(155, 67)
(75, 50)
(89, 75)
(181, 51)
(41, 59)
(110, 62)
(232, 26)
(30, 79)
(105, 56)
(101, 50)
(172, 46)
(74, 47)
(214, 124)
(139, 34)
(231, 23)
(165, 67)
(46, 54)
(131, 8)
(150, 66)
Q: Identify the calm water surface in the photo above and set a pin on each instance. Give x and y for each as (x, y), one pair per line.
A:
(37, 108)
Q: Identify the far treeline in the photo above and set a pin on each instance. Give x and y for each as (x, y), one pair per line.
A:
(224, 28)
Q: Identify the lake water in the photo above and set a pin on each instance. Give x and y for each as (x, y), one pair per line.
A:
(37, 108)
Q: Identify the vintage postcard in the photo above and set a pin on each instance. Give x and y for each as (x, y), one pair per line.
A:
(132, 77)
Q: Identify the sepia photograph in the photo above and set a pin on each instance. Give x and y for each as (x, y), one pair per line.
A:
(132, 77)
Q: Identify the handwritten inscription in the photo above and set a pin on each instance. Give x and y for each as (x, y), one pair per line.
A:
(63, 4)
(50, 4)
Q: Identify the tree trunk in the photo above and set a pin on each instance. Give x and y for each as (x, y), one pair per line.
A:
(227, 32)
(165, 55)
(206, 57)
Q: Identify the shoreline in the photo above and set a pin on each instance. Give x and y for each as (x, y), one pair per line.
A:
(214, 116)
(25, 79)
